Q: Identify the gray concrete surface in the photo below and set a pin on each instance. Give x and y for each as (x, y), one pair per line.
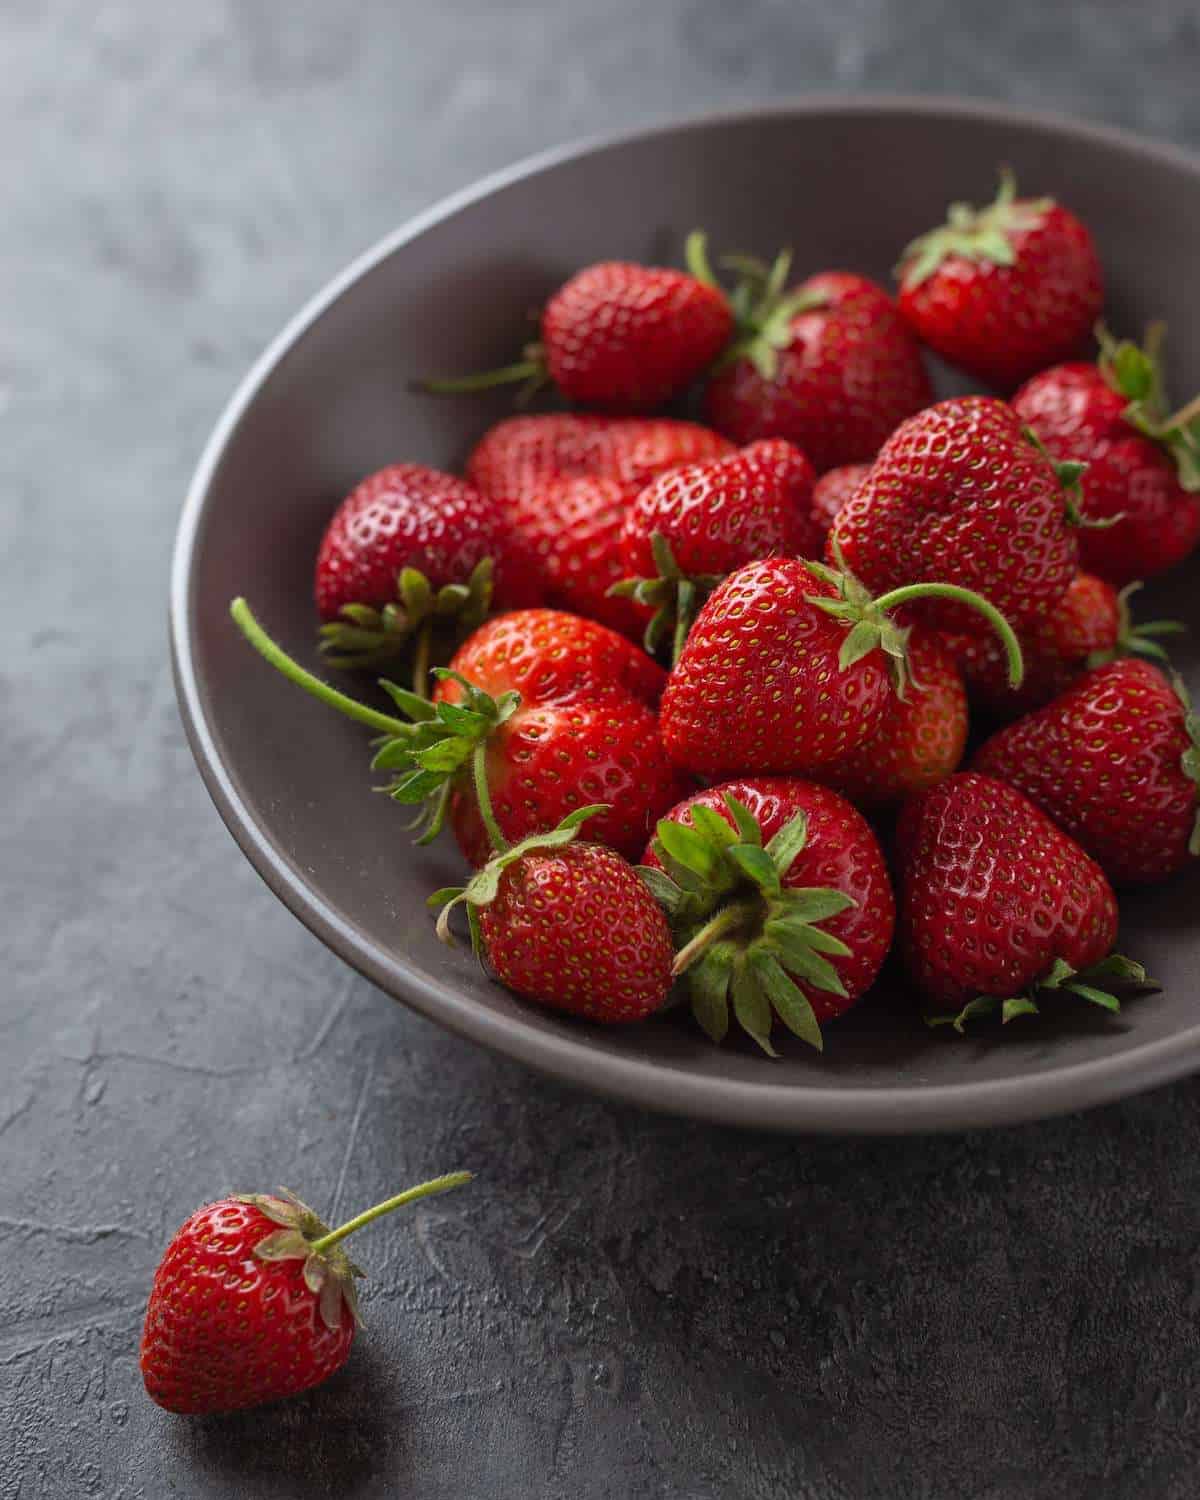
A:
(623, 1305)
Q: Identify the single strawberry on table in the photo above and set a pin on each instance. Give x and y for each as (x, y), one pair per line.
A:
(411, 549)
(1143, 462)
(791, 666)
(998, 909)
(620, 336)
(1005, 290)
(1092, 623)
(779, 901)
(690, 527)
(254, 1300)
(558, 710)
(958, 493)
(828, 365)
(1115, 761)
(519, 457)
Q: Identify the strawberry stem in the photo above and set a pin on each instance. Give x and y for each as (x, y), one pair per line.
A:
(244, 619)
(410, 1195)
(1184, 415)
(483, 795)
(421, 652)
(695, 255)
(724, 921)
(1012, 647)
(487, 380)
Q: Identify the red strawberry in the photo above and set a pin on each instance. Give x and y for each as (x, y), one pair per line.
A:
(1143, 466)
(1004, 290)
(520, 456)
(830, 367)
(621, 336)
(787, 670)
(997, 906)
(572, 531)
(409, 547)
(690, 527)
(832, 491)
(1090, 624)
(958, 493)
(746, 872)
(568, 924)
(1115, 760)
(562, 719)
(920, 739)
(254, 1300)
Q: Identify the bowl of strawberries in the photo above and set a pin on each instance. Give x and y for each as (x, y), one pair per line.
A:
(753, 559)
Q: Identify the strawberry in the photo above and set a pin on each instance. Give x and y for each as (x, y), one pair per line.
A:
(520, 456)
(830, 366)
(1115, 761)
(786, 669)
(571, 529)
(690, 527)
(566, 923)
(254, 1300)
(559, 714)
(1005, 290)
(409, 548)
(1090, 624)
(997, 908)
(779, 897)
(620, 336)
(958, 493)
(920, 739)
(1143, 465)
(832, 491)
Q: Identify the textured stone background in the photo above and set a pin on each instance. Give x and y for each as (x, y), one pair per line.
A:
(623, 1305)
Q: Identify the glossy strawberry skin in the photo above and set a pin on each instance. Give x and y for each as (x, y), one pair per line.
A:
(841, 852)
(628, 338)
(850, 374)
(958, 495)
(408, 515)
(225, 1330)
(729, 511)
(920, 739)
(758, 687)
(1086, 619)
(1003, 323)
(1104, 761)
(571, 528)
(520, 455)
(585, 732)
(1078, 416)
(991, 893)
(576, 930)
(832, 490)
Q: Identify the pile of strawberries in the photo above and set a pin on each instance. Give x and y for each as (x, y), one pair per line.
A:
(750, 655)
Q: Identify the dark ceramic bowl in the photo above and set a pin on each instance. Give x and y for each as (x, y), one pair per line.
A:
(843, 181)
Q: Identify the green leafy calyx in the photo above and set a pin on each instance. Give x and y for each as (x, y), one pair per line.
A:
(366, 637)
(675, 597)
(1135, 372)
(1190, 759)
(482, 888)
(743, 938)
(1101, 985)
(1136, 638)
(984, 235)
(763, 309)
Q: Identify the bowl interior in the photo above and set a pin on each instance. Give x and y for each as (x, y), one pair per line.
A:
(845, 186)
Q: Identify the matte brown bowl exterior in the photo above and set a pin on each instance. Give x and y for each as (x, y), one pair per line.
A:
(845, 181)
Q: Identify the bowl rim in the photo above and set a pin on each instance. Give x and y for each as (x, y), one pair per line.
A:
(568, 1054)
